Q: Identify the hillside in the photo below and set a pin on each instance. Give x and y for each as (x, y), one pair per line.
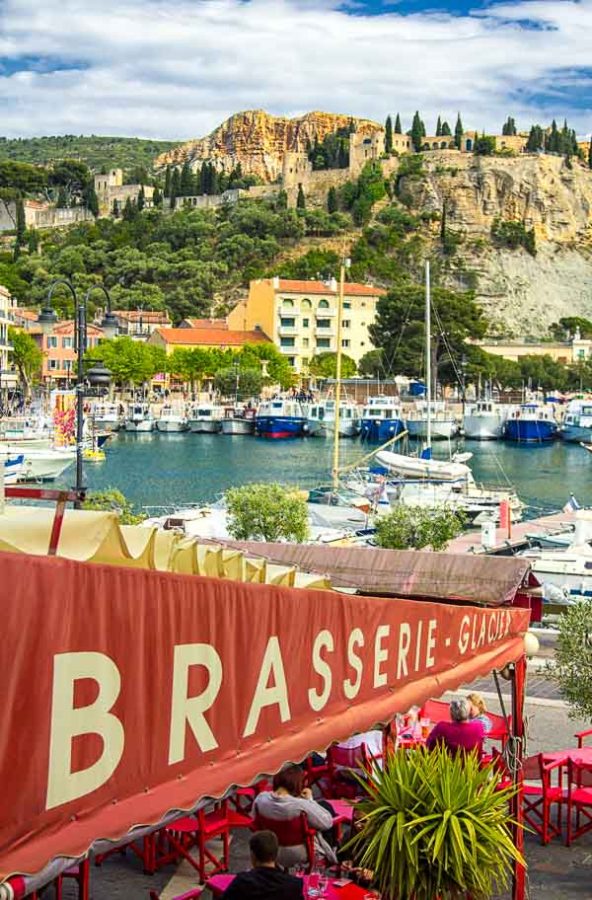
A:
(258, 141)
(96, 152)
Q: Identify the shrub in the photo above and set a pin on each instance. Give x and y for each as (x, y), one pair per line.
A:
(513, 234)
(414, 527)
(113, 500)
(266, 512)
(573, 659)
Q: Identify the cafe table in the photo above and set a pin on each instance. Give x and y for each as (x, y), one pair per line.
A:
(581, 755)
(337, 889)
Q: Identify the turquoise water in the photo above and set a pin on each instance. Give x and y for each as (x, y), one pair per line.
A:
(163, 471)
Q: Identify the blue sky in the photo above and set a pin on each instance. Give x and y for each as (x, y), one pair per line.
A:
(177, 68)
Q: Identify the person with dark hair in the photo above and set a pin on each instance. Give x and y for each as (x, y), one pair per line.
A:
(286, 801)
(264, 881)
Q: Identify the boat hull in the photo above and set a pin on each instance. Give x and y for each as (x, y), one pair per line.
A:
(171, 427)
(205, 426)
(281, 427)
(41, 465)
(577, 433)
(107, 424)
(238, 426)
(142, 425)
(530, 430)
(442, 430)
(483, 428)
(381, 430)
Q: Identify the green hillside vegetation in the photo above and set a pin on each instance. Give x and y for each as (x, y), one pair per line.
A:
(97, 152)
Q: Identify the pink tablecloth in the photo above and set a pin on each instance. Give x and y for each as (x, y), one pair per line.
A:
(577, 754)
(218, 884)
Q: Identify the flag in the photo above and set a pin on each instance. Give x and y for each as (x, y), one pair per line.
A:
(571, 505)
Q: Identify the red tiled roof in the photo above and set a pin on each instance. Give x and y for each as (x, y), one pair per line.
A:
(352, 288)
(146, 315)
(28, 314)
(216, 337)
(208, 323)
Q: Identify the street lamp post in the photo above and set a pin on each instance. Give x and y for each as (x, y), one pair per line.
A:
(98, 375)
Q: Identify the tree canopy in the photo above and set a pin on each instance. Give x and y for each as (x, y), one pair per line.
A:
(324, 365)
(266, 512)
(26, 356)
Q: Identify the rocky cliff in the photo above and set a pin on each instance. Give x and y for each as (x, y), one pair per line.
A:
(522, 294)
(258, 141)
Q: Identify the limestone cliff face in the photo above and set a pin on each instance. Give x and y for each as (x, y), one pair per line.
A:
(521, 294)
(259, 141)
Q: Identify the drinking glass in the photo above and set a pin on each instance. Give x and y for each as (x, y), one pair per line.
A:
(323, 885)
(425, 728)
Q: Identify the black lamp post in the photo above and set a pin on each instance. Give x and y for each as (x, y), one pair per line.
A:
(463, 368)
(98, 375)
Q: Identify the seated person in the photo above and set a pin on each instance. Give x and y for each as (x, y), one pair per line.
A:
(460, 734)
(478, 711)
(373, 741)
(287, 800)
(264, 881)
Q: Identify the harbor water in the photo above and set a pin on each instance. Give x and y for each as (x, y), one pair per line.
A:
(163, 471)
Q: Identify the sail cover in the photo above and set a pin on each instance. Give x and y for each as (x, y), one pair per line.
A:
(128, 693)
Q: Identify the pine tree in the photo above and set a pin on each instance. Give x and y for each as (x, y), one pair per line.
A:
(167, 182)
(552, 140)
(186, 183)
(115, 210)
(388, 135)
(21, 227)
(417, 132)
(129, 210)
(91, 200)
(332, 205)
(156, 198)
(458, 132)
(141, 201)
(62, 200)
(398, 129)
(175, 186)
(301, 199)
(536, 139)
(509, 126)
(446, 132)
(438, 127)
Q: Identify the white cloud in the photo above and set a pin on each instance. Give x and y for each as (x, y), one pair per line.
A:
(177, 68)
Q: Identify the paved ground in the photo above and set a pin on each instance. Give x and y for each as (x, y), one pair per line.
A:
(555, 872)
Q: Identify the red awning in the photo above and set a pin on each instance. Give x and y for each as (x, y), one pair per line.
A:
(130, 693)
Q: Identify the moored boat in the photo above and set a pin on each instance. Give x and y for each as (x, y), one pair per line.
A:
(444, 425)
(106, 417)
(418, 467)
(381, 419)
(172, 419)
(485, 420)
(281, 419)
(205, 418)
(139, 418)
(577, 422)
(40, 465)
(321, 418)
(531, 423)
(239, 420)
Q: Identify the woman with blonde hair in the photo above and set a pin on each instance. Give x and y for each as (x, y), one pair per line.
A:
(478, 711)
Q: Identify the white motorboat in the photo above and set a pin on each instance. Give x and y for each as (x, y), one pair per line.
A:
(444, 425)
(416, 467)
(13, 469)
(566, 574)
(577, 422)
(205, 418)
(239, 420)
(106, 417)
(39, 464)
(172, 419)
(381, 419)
(321, 418)
(485, 420)
(139, 418)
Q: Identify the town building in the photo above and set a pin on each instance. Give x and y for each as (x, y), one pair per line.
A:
(7, 375)
(110, 190)
(39, 215)
(301, 317)
(139, 324)
(204, 323)
(576, 350)
(25, 319)
(171, 339)
(59, 351)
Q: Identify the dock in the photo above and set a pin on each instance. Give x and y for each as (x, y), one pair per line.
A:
(506, 544)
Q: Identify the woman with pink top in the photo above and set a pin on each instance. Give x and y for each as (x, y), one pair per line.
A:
(460, 734)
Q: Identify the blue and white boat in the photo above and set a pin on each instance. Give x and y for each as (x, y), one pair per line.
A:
(531, 423)
(577, 423)
(281, 419)
(13, 467)
(382, 419)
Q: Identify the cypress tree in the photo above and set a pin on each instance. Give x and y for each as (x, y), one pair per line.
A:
(141, 201)
(446, 132)
(175, 186)
(115, 210)
(129, 210)
(214, 180)
(458, 132)
(186, 183)
(167, 182)
(156, 198)
(438, 127)
(91, 200)
(398, 129)
(301, 199)
(332, 205)
(202, 179)
(21, 227)
(417, 132)
(388, 135)
(590, 154)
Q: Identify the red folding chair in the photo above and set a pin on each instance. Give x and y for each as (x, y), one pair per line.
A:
(80, 873)
(339, 761)
(176, 840)
(290, 833)
(316, 774)
(141, 848)
(188, 895)
(581, 736)
(435, 711)
(540, 797)
(241, 799)
(579, 799)
(217, 884)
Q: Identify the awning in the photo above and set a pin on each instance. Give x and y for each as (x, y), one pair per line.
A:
(487, 580)
(128, 693)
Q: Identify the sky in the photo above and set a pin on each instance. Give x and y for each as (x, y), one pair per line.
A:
(175, 69)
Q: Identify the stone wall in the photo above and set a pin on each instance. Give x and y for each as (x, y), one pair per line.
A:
(42, 216)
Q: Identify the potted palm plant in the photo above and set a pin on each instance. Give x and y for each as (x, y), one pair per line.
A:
(435, 826)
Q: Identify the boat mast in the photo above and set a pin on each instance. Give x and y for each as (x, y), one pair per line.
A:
(345, 264)
(428, 354)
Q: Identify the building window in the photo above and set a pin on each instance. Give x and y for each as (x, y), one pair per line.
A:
(305, 323)
(347, 304)
(305, 342)
(323, 304)
(52, 342)
(305, 361)
(287, 342)
(66, 343)
(287, 322)
(292, 360)
(306, 304)
(346, 323)
(287, 304)
(68, 365)
(53, 364)
(323, 343)
(323, 323)
(363, 303)
(345, 343)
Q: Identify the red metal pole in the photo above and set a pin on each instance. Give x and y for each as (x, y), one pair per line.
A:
(518, 691)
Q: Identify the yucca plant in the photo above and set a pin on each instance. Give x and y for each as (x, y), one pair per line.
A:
(435, 826)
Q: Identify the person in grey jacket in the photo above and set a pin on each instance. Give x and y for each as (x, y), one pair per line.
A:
(287, 800)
